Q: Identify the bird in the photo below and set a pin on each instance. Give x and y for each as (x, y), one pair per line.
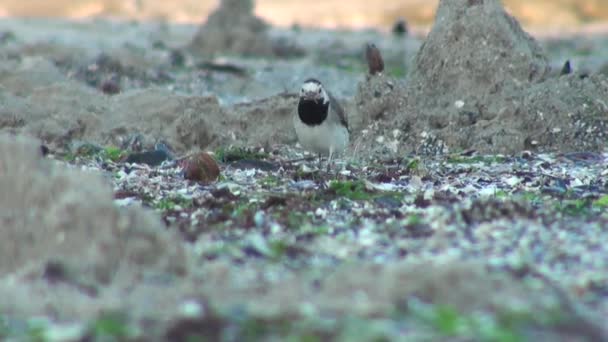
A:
(374, 59)
(320, 121)
(400, 27)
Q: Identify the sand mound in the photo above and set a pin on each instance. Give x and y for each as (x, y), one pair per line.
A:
(475, 49)
(233, 29)
(40, 102)
(54, 215)
(480, 82)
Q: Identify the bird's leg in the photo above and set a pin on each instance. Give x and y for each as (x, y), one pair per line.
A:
(331, 153)
(319, 161)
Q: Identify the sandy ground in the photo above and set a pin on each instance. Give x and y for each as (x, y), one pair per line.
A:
(471, 139)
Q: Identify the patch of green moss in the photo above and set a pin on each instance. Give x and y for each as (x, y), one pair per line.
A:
(270, 181)
(577, 207)
(413, 164)
(69, 157)
(446, 321)
(414, 220)
(457, 159)
(36, 329)
(530, 197)
(397, 70)
(296, 220)
(501, 194)
(171, 203)
(110, 326)
(243, 209)
(232, 154)
(601, 202)
(354, 190)
(112, 153)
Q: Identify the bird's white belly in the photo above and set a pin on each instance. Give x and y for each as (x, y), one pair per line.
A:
(322, 138)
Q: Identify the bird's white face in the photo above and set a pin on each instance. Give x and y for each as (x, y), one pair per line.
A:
(313, 91)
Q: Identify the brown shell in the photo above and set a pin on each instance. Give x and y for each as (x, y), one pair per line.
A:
(201, 167)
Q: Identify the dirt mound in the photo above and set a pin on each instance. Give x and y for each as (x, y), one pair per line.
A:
(40, 102)
(480, 82)
(61, 219)
(475, 49)
(233, 29)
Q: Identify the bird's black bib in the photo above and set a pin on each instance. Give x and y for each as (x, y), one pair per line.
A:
(312, 113)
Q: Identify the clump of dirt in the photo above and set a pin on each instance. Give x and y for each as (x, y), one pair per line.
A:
(185, 122)
(475, 49)
(233, 29)
(56, 219)
(376, 99)
(480, 82)
(267, 121)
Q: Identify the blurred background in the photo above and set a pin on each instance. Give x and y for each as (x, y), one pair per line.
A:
(533, 14)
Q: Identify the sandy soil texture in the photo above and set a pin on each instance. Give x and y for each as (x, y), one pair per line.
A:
(470, 205)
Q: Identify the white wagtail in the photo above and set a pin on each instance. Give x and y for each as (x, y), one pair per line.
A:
(320, 122)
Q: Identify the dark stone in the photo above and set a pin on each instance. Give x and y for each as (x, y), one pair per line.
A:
(152, 158)
(245, 164)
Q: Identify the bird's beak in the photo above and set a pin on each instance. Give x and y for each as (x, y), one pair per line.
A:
(310, 95)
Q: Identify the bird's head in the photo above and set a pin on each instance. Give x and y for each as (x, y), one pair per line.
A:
(312, 90)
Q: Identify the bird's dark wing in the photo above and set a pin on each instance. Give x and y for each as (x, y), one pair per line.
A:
(335, 105)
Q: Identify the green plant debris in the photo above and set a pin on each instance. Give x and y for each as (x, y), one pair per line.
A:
(413, 164)
(396, 70)
(601, 202)
(501, 194)
(69, 157)
(457, 159)
(354, 190)
(173, 203)
(36, 329)
(113, 153)
(448, 322)
(577, 207)
(296, 220)
(232, 154)
(270, 181)
(530, 197)
(414, 220)
(278, 249)
(242, 210)
(113, 325)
